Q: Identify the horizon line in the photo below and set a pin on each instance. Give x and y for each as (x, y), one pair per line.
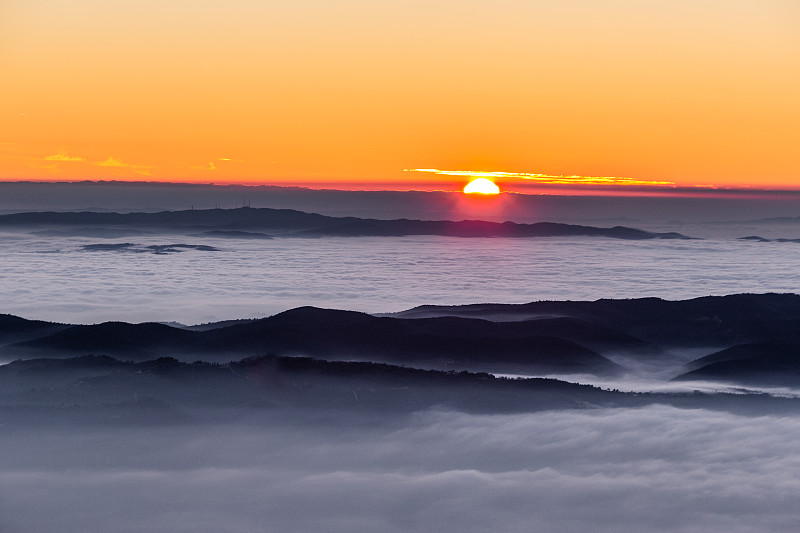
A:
(525, 189)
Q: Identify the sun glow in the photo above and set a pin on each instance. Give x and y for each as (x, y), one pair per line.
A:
(481, 186)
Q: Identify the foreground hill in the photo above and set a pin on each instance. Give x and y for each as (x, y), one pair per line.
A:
(246, 222)
(445, 343)
(753, 339)
(16, 329)
(106, 390)
(775, 363)
(750, 338)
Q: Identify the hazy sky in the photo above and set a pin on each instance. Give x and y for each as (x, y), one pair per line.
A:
(314, 91)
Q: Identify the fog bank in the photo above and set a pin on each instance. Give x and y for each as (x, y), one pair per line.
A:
(626, 470)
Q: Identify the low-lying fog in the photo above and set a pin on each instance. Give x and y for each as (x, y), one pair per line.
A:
(654, 469)
(654, 373)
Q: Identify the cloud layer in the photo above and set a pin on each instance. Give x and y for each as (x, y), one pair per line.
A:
(645, 470)
(53, 278)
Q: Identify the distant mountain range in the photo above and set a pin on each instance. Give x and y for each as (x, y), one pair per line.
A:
(251, 223)
(750, 338)
(756, 238)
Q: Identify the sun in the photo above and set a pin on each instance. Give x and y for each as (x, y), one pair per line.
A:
(481, 186)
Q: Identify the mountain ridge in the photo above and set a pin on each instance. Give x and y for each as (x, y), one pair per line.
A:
(245, 222)
(105, 390)
(548, 337)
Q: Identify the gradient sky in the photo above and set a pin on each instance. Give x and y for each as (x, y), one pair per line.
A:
(690, 92)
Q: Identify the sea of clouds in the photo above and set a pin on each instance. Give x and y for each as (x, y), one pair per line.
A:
(654, 469)
(58, 279)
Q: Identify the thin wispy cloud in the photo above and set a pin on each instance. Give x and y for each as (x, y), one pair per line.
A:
(212, 165)
(63, 157)
(544, 178)
(112, 162)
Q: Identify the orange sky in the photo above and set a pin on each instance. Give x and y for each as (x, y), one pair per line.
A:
(321, 92)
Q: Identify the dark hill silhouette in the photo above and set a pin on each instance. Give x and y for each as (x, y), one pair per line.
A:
(705, 321)
(456, 343)
(233, 234)
(15, 329)
(439, 342)
(108, 391)
(20, 376)
(96, 232)
(137, 341)
(784, 349)
(158, 249)
(762, 239)
(213, 325)
(540, 337)
(115, 388)
(478, 228)
(220, 219)
(250, 221)
(774, 362)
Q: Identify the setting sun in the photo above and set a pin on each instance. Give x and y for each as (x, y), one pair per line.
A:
(481, 186)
